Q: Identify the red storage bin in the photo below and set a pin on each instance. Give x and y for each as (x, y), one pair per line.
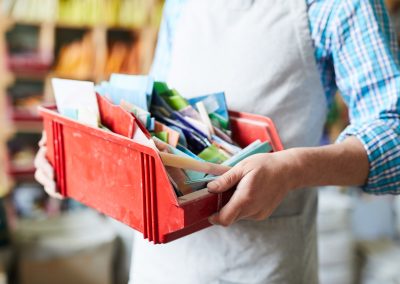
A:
(126, 180)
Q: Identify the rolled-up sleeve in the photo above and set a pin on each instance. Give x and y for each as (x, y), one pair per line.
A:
(366, 61)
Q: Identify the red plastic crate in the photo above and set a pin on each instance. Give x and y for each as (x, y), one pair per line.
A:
(126, 180)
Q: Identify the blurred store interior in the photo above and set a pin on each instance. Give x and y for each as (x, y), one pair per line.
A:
(43, 240)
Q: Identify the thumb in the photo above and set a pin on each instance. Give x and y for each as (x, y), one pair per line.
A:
(43, 140)
(226, 181)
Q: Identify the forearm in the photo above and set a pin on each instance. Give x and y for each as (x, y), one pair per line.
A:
(339, 164)
(262, 181)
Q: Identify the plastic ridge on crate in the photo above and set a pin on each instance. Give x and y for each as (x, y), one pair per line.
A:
(128, 181)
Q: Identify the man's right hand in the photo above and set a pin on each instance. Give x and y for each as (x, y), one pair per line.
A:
(44, 171)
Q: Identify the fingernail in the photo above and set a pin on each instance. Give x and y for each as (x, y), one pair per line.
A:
(212, 186)
(211, 219)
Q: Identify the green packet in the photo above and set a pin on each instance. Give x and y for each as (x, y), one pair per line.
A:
(213, 155)
(174, 99)
(219, 121)
(162, 135)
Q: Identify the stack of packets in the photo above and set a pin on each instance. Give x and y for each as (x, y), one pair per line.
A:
(192, 136)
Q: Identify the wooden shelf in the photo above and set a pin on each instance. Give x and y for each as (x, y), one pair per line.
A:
(25, 118)
(30, 75)
(102, 26)
(64, 25)
(28, 126)
(22, 172)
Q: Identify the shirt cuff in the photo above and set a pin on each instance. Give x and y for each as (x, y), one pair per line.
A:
(381, 141)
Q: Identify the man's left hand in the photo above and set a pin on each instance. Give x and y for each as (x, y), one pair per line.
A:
(262, 182)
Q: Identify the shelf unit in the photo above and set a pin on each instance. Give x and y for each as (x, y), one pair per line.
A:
(5, 126)
(52, 40)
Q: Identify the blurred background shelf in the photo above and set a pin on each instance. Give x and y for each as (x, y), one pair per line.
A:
(89, 40)
(83, 40)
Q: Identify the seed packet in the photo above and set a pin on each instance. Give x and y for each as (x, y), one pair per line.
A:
(77, 100)
(140, 85)
(143, 115)
(213, 155)
(216, 106)
(257, 147)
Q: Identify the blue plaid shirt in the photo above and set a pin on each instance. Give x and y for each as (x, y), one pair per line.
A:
(357, 53)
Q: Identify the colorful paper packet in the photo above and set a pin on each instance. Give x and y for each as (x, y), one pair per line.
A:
(143, 115)
(217, 109)
(174, 99)
(172, 136)
(138, 84)
(192, 175)
(213, 155)
(118, 94)
(257, 147)
(77, 100)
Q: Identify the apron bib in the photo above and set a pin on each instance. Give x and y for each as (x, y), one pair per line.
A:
(260, 53)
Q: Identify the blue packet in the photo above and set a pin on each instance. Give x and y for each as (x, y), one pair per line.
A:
(131, 96)
(188, 152)
(101, 88)
(159, 103)
(178, 116)
(216, 107)
(139, 84)
(257, 147)
(195, 142)
(71, 113)
(116, 94)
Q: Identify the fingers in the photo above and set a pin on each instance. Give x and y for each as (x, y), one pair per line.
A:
(45, 173)
(238, 207)
(42, 163)
(231, 212)
(43, 140)
(49, 185)
(226, 181)
(228, 215)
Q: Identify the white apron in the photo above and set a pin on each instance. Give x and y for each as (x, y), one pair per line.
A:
(260, 53)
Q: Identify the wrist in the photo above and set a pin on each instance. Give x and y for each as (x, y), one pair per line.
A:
(295, 165)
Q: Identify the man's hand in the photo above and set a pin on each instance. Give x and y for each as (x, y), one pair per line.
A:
(262, 181)
(44, 171)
